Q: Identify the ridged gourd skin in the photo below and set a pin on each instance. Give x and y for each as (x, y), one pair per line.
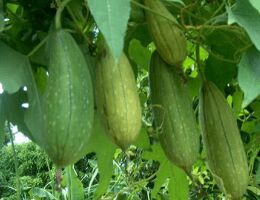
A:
(226, 156)
(173, 113)
(117, 99)
(168, 38)
(67, 102)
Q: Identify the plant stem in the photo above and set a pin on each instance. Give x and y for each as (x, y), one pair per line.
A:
(59, 12)
(18, 184)
(199, 63)
(215, 13)
(79, 29)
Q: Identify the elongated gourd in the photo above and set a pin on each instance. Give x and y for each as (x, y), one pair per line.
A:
(117, 99)
(173, 113)
(168, 38)
(67, 102)
(223, 145)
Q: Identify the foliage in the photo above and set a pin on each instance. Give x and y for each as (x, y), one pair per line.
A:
(33, 168)
(223, 46)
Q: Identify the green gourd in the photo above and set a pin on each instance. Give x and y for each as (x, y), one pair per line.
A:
(173, 113)
(168, 38)
(117, 98)
(226, 156)
(67, 102)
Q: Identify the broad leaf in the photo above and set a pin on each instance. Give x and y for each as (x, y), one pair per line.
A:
(75, 186)
(248, 17)
(139, 32)
(249, 75)
(143, 140)
(237, 100)
(227, 42)
(178, 186)
(111, 17)
(138, 53)
(219, 72)
(40, 57)
(194, 85)
(40, 193)
(12, 69)
(15, 72)
(163, 172)
(256, 4)
(14, 111)
(104, 149)
(256, 107)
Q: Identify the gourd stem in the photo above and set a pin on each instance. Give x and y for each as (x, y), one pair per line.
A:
(58, 177)
(58, 14)
(199, 63)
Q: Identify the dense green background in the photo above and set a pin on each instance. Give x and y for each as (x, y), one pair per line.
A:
(227, 33)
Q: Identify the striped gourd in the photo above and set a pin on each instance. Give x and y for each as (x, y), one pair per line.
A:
(67, 102)
(173, 113)
(223, 145)
(168, 38)
(117, 99)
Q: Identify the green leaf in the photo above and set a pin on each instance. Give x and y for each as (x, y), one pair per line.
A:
(162, 175)
(15, 72)
(40, 193)
(75, 186)
(13, 110)
(143, 140)
(248, 17)
(249, 75)
(41, 79)
(256, 107)
(12, 68)
(40, 57)
(194, 85)
(237, 100)
(219, 72)
(256, 4)
(111, 17)
(163, 172)
(178, 185)
(227, 42)
(138, 53)
(104, 149)
(248, 126)
(139, 32)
